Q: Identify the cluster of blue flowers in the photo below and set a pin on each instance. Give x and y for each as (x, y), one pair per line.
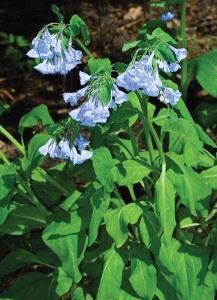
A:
(56, 58)
(167, 16)
(93, 111)
(64, 150)
(144, 75)
(140, 75)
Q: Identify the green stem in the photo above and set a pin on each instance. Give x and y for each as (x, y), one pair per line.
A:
(145, 182)
(146, 127)
(184, 63)
(83, 47)
(157, 142)
(12, 140)
(131, 191)
(32, 197)
(133, 141)
(150, 129)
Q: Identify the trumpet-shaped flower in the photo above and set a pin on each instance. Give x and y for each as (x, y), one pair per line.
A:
(142, 77)
(56, 59)
(168, 67)
(179, 53)
(169, 96)
(93, 110)
(64, 150)
(73, 98)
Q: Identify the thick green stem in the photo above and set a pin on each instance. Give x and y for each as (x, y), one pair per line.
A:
(131, 191)
(133, 141)
(157, 142)
(83, 47)
(145, 182)
(184, 63)
(12, 140)
(149, 128)
(146, 127)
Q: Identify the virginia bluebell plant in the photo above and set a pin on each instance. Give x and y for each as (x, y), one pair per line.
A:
(129, 209)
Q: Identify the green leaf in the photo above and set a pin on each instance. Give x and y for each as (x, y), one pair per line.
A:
(210, 176)
(206, 114)
(165, 290)
(191, 187)
(184, 139)
(165, 3)
(114, 263)
(143, 273)
(56, 10)
(17, 259)
(131, 171)
(22, 218)
(150, 229)
(126, 113)
(121, 148)
(203, 68)
(7, 180)
(186, 115)
(204, 136)
(63, 282)
(78, 294)
(164, 53)
(119, 67)
(32, 286)
(191, 264)
(165, 206)
(130, 45)
(62, 223)
(163, 36)
(35, 115)
(99, 65)
(70, 250)
(105, 93)
(150, 232)
(102, 163)
(33, 158)
(100, 203)
(150, 26)
(117, 221)
(79, 26)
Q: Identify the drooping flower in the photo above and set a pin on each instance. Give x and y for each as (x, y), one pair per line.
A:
(179, 53)
(56, 58)
(84, 77)
(73, 98)
(141, 76)
(169, 96)
(167, 16)
(76, 152)
(51, 148)
(168, 67)
(93, 110)
(81, 143)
